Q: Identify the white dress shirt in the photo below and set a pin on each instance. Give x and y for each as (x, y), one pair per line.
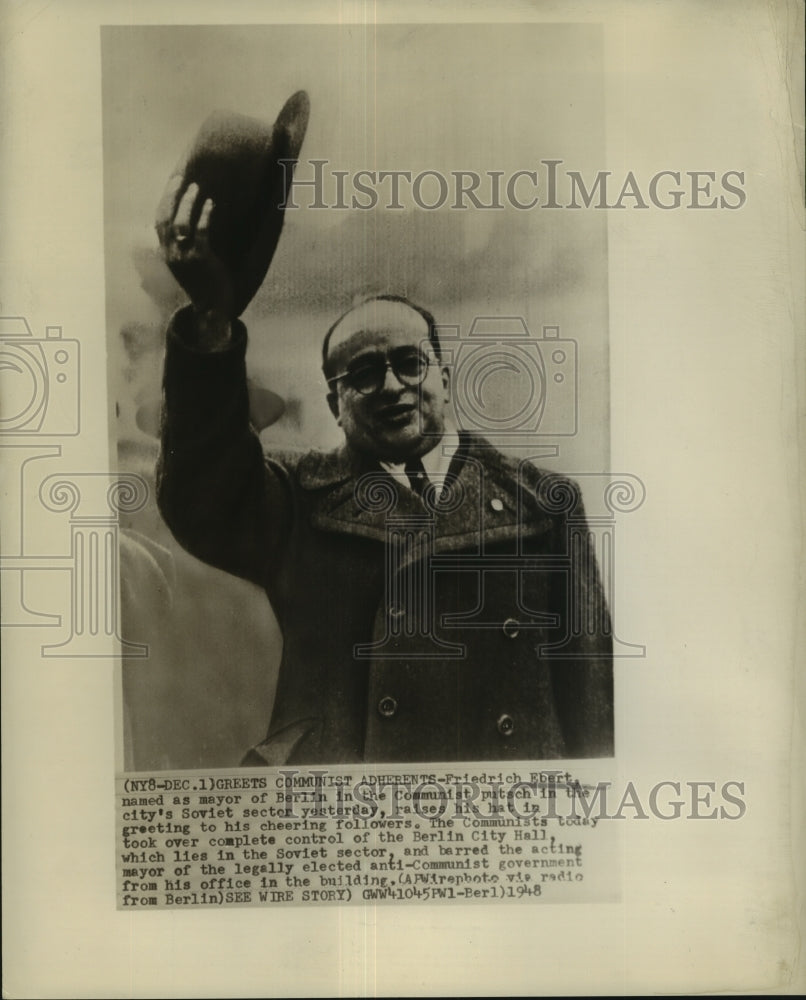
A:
(436, 462)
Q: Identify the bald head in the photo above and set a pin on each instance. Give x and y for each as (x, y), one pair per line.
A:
(380, 314)
(387, 388)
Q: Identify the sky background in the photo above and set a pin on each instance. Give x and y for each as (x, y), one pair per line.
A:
(415, 97)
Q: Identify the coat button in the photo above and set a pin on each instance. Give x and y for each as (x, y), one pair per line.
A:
(497, 505)
(506, 725)
(387, 706)
(511, 628)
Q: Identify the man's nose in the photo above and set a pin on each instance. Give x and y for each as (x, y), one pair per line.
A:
(391, 383)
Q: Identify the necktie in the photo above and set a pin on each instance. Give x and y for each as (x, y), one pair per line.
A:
(418, 479)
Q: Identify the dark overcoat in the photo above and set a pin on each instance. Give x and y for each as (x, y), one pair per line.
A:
(466, 627)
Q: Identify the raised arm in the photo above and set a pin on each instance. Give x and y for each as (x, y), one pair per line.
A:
(215, 492)
(219, 222)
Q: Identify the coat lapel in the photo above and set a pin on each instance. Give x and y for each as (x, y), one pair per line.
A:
(352, 495)
(489, 498)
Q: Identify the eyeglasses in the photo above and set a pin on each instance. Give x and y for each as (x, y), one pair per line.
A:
(367, 375)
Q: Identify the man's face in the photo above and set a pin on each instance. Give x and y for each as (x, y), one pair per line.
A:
(397, 421)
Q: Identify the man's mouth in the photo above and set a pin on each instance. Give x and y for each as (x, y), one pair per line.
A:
(396, 414)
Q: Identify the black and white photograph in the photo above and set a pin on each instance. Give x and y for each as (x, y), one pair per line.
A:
(358, 348)
(401, 440)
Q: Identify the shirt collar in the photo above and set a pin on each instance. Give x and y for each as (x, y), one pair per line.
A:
(436, 462)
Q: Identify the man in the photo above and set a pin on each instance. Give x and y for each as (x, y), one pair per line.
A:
(423, 585)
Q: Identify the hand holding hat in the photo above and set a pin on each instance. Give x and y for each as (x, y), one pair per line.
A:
(220, 218)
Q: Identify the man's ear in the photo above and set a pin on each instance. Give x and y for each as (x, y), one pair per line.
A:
(446, 382)
(333, 403)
